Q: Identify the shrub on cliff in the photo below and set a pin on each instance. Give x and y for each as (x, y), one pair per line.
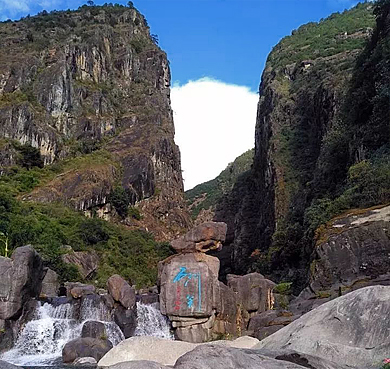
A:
(133, 254)
(120, 200)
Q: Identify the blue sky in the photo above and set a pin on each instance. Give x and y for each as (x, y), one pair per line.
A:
(217, 51)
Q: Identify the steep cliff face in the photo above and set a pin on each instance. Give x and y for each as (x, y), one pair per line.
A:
(302, 92)
(90, 90)
(203, 199)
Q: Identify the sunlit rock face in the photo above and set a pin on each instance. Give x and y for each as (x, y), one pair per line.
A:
(92, 84)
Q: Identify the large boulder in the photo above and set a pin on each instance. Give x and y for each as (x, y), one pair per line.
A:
(222, 357)
(20, 279)
(50, 284)
(204, 237)
(138, 364)
(253, 291)
(227, 311)
(162, 351)
(188, 285)
(80, 290)
(121, 291)
(126, 319)
(269, 322)
(86, 262)
(349, 255)
(351, 330)
(85, 347)
(307, 361)
(94, 329)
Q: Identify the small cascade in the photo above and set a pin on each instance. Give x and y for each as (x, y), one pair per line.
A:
(41, 341)
(150, 322)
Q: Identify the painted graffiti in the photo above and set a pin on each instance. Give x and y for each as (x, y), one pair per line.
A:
(177, 302)
(185, 276)
(190, 301)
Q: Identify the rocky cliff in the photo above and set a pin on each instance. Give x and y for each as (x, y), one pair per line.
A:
(203, 199)
(301, 159)
(90, 90)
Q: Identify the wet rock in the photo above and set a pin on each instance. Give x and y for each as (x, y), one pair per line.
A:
(351, 330)
(85, 361)
(86, 262)
(121, 291)
(85, 347)
(5, 365)
(148, 298)
(94, 329)
(204, 237)
(20, 280)
(50, 284)
(126, 319)
(80, 290)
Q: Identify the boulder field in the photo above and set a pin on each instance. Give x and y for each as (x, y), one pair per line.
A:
(348, 332)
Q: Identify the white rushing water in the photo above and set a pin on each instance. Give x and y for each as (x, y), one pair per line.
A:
(42, 339)
(150, 322)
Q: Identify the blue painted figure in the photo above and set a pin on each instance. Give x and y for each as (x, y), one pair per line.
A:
(190, 301)
(188, 276)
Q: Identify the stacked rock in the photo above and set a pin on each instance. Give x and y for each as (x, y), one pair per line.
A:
(199, 306)
(189, 285)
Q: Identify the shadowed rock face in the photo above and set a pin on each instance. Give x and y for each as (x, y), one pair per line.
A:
(301, 95)
(92, 82)
(351, 330)
(204, 237)
(20, 280)
(85, 347)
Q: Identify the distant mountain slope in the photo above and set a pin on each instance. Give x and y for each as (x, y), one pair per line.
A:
(203, 198)
(90, 90)
(302, 155)
(86, 132)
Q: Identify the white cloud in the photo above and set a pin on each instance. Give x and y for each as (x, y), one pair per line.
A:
(215, 123)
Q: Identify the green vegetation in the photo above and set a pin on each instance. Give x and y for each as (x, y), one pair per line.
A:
(48, 227)
(120, 200)
(20, 180)
(283, 288)
(50, 28)
(208, 194)
(328, 37)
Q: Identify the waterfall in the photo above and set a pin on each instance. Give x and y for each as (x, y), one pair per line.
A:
(150, 322)
(42, 339)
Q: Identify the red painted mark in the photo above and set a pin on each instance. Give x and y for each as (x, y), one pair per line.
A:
(177, 302)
